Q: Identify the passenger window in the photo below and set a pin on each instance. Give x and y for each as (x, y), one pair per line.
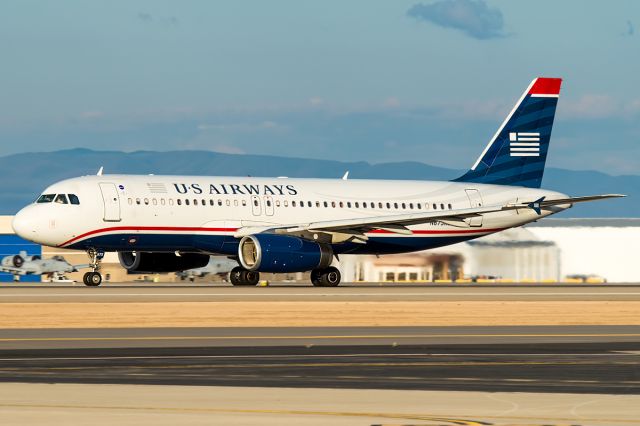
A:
(154, 202)
(411, 206)
(146, 201)
(220, 203)
(186, 201)
(389, 205)
(364, 204)
(293, 204)
(341, 204)
(442, 206)
(235, 203)
(395, 206)
(130, 201)
(404, 206)
(211, 203)
(195, 202)
(326, 204)
(286, 203)
(379, 205)
(317, 203)
(309, 204)
(244, 203)
(61, 199)
(170, 201)
(203, 202)
(357, 205)
(450, 207)
(73, 199)
(277, 203)
(301, 203)
(46, 198)
(228, 203)
(419, 206)
(179, 201)
(333, 204)
(349, 204)
(435, 206)
(255, 203)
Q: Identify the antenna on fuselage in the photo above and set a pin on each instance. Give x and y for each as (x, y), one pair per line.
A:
(100, 171)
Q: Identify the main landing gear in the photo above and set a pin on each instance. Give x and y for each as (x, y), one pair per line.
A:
(93, 278)
(241, 276)
(327, 277)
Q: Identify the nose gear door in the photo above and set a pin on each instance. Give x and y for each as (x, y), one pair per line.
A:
(111, 200)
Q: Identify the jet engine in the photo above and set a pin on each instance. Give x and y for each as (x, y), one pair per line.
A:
(149, 263)
(282, 253)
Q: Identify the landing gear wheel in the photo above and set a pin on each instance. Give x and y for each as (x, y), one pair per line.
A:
(240, 276)
(329, 277)
(92, 279)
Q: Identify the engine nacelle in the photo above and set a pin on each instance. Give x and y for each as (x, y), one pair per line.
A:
(150, 263)
(282, 253)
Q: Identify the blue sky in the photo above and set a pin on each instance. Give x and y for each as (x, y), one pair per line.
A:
(359, 80)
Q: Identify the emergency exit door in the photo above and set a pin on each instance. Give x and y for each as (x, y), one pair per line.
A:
(111, 200)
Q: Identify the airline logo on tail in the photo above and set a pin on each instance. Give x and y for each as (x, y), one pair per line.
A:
(524, 144)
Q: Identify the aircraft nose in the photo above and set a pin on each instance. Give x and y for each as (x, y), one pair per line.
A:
(23, 223)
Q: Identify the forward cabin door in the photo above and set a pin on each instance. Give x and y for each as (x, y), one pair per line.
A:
(111, 200)
(475, 200)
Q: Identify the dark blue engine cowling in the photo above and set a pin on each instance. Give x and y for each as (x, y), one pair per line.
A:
(282, 253)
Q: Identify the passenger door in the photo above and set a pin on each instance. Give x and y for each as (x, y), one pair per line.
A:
(475, 200)
(111, 200)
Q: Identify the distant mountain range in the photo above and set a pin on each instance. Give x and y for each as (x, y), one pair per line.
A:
(24, 176)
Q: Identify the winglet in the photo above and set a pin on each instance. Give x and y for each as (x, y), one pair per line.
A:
(535, 205)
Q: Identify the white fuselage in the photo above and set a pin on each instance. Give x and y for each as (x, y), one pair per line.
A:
(203, 214)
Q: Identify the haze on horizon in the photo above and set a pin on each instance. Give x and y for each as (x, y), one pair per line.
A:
(375, 81)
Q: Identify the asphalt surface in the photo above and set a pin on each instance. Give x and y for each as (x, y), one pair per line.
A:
(612, 368)
(252, 337)
(288, 292)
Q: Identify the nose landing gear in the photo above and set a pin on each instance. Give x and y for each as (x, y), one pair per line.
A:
(93, 278)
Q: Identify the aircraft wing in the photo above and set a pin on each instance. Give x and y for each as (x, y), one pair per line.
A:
(14, 271)
(398, 223)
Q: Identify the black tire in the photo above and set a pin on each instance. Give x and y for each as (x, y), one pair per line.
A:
(18, 261)
(315, 277)
(236, 275)
(92, 279)
(251, 278)
(330, 277)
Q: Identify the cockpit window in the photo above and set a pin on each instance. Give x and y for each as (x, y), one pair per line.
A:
(46, 198)
(61, 199)
(73, 199)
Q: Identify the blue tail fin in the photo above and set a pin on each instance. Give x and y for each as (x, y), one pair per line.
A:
(517, 153)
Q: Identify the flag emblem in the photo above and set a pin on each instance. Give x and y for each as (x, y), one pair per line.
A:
(524, 144)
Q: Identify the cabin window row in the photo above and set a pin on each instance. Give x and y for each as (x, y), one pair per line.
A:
(294, 203)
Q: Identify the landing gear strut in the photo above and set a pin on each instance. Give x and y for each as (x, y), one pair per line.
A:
(93, 278)
(241, 276)
(327, 277)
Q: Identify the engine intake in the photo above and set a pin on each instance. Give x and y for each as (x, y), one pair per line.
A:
(149, 263)
(282, 253)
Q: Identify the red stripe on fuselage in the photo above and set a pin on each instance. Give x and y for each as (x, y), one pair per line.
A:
(148, 228)
(199, 229)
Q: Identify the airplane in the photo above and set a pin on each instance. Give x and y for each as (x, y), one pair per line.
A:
(217, 266)
(23, 264)
(283, 225)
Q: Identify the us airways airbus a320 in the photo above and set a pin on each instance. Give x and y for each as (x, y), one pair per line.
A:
(173, 223)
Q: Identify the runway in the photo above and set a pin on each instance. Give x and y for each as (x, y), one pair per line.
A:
(135, 292)
(612, 368)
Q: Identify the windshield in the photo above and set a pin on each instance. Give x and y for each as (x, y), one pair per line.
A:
(73, 198)
(46, 198)
(61, 199)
